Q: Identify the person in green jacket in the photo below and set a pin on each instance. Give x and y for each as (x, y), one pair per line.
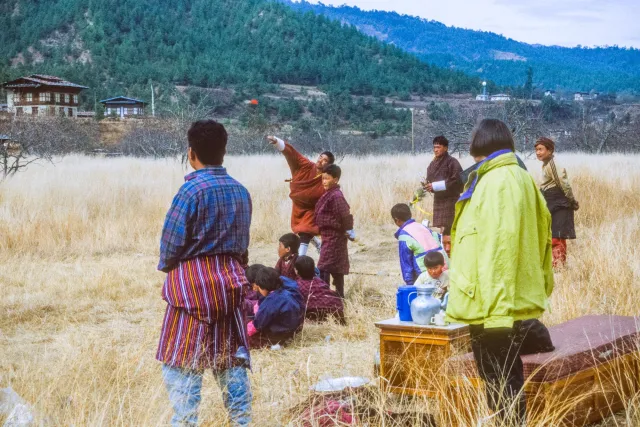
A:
(501, 264)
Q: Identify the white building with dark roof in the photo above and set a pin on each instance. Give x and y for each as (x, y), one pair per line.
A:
(41, 95)
(123, 107)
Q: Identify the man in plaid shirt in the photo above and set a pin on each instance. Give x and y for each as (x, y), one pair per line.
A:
(205, 235)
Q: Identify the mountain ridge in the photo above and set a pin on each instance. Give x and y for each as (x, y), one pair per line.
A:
(607, 69)
(116, 45)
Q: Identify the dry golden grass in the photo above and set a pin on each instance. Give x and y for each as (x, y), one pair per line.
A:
(80, 310)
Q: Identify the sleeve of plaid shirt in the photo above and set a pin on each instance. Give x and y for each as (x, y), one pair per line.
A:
(176, 232)
(344, 213)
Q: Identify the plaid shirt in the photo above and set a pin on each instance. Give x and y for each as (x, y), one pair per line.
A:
(210, 215)
(333, 217)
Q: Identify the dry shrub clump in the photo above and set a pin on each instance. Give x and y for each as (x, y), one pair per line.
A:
(81, 309)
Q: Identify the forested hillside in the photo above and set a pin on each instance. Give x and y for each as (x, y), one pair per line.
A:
(492, 56)
(114, 45)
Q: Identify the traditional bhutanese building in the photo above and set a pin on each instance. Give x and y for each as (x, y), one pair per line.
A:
(40, 95)
(123, 107)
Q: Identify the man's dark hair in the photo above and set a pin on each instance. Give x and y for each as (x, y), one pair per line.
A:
(252, 272)
(401, 211)
(330, 156)
(433, 259)
(305, 267)
(290, 241)
(441, 140)
(208, 139)
(268, 278)
(333, 170)
(489, 136)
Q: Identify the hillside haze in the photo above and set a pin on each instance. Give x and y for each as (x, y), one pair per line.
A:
(491, 56)
(115, 44)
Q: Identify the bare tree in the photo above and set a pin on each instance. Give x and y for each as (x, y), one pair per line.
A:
(526, 122)
(155, 138)
(34, 139)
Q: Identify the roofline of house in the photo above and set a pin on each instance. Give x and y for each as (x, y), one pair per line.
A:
(111, 100)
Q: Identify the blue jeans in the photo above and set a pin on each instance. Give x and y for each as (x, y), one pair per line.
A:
(184, 388)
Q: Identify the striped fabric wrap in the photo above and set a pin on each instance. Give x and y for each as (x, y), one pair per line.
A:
(204, 321)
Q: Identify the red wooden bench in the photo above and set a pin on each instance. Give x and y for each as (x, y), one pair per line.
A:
(593, 372)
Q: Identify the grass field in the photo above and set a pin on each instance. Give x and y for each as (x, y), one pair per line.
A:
(80, 311)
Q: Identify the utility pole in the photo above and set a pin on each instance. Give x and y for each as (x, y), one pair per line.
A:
(153, 103)
(413, 146)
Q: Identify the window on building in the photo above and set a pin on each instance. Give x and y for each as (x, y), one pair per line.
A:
(66, 98)
(70, 112)
(34, 111)
(75, 99)
(29, 97)
(45, 96)
(57, 98)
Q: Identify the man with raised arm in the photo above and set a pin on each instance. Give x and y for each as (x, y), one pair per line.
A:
(306, 188)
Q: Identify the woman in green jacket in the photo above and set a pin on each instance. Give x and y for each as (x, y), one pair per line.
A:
(501, 264)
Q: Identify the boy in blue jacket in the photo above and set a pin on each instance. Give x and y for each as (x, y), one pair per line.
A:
(280, 313)
(414, 242)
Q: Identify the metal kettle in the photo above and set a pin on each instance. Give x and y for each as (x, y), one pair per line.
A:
(425, 305)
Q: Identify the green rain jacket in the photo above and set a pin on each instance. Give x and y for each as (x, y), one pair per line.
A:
(501, 258)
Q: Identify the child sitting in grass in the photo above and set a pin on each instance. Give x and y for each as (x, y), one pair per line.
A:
(280, 312)
(320, 301)
(435, 274)
(288, 246)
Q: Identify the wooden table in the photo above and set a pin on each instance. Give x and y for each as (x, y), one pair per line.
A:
(412, 356)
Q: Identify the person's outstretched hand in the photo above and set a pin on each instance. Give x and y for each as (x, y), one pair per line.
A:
(276, 142)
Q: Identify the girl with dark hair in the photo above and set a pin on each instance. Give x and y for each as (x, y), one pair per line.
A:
(501, 271)
(288, 246)
(556, 189)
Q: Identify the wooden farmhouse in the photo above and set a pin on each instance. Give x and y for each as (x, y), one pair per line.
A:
(40, 95)
(123, 107)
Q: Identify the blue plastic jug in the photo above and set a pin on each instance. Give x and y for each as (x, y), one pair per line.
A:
(404, 296)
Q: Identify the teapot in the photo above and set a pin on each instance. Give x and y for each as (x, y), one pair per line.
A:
(424, 307)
